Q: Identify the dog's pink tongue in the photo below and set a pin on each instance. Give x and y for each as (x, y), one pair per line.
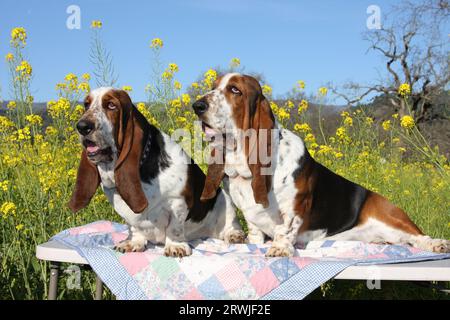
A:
(209, 132)
(92, 149)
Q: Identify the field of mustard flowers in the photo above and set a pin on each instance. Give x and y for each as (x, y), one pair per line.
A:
(39, 157)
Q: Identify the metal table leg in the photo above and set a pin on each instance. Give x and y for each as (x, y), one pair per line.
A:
(98, 288)
(53, 288)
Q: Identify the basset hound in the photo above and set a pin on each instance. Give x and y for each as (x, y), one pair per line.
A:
(282, 191)
(147, 177)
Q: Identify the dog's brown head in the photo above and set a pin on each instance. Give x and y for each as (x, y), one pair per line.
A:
(111, 133)
(237, 103)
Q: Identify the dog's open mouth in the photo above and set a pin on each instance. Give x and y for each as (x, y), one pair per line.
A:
(93, 149)
(209, 132)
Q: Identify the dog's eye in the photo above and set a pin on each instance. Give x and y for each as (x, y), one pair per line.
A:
(86, 105)
(111, 106)
(235, 90)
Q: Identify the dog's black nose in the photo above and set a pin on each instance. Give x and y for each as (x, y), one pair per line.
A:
(200, 107)
(85, 127)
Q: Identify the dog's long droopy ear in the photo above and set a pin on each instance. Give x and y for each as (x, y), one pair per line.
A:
(214, 176)
(259, 154)
(126, 173)
(86, 184)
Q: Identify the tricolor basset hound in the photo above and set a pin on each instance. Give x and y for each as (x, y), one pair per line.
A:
(147, 177)
(291, 198)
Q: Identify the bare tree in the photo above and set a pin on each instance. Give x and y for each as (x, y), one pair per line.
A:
(415, 50)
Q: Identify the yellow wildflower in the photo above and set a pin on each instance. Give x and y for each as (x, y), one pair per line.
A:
(18, 36)
(84, 86)
(266, 89)
(290, 104)
(302, 106)
(11, 105)
(127, 88)
(186, 99)
(177, 85)
(173, 67)
(34, 119)
(51, 131)
(235, 62)
(86, 76)
(348, 121)
(167, 75)
(176, 103)
(404, 89)
(194, 85)
(5, 123)
(407, 122)
(386, 125)
(157, 43)
(304, 127)
(4, 185)
(301, 84)
(9, 57)
(8, 208)
(369, 121)
(310, 138)
(19, 227)
(24, 69)
(96, 24)
(323, 91)
(283, 114)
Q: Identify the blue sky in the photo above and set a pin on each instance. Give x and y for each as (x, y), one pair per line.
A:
(315, 41)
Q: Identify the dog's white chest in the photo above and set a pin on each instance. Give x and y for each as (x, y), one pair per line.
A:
(106, 171)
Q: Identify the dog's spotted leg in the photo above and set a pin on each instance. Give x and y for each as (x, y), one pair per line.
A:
(176, 245)
(285, 237)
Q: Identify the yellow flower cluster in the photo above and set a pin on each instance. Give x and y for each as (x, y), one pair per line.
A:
(9, 57)
(127, 88)
(186, 99)
(301, 84)
(8, 208)
(266, 89)
(147, 114)
(5, 124)
(177, 85)
(209, 77)
(407, 122)
(4, 185)
(323, 91)
(302, 106)
(304, 127)
(156, 43)
(348, 121)
(404, 90)
(96, 24)
(24, 70)
(18, 36)
(235, 62)
(58, 108)
(169, 72)
(341, 134)
(386, 125)
(11, 105)
(34, 119)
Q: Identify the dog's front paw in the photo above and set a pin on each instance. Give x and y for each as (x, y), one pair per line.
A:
(440, 245)
(280, 250)
(177, 249)
(235, 236)
(130, 246)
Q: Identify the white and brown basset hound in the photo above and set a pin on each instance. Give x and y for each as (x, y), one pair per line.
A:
(295, 199)
(147, 177)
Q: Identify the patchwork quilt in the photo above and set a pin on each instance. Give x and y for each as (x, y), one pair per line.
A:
(219, 271)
